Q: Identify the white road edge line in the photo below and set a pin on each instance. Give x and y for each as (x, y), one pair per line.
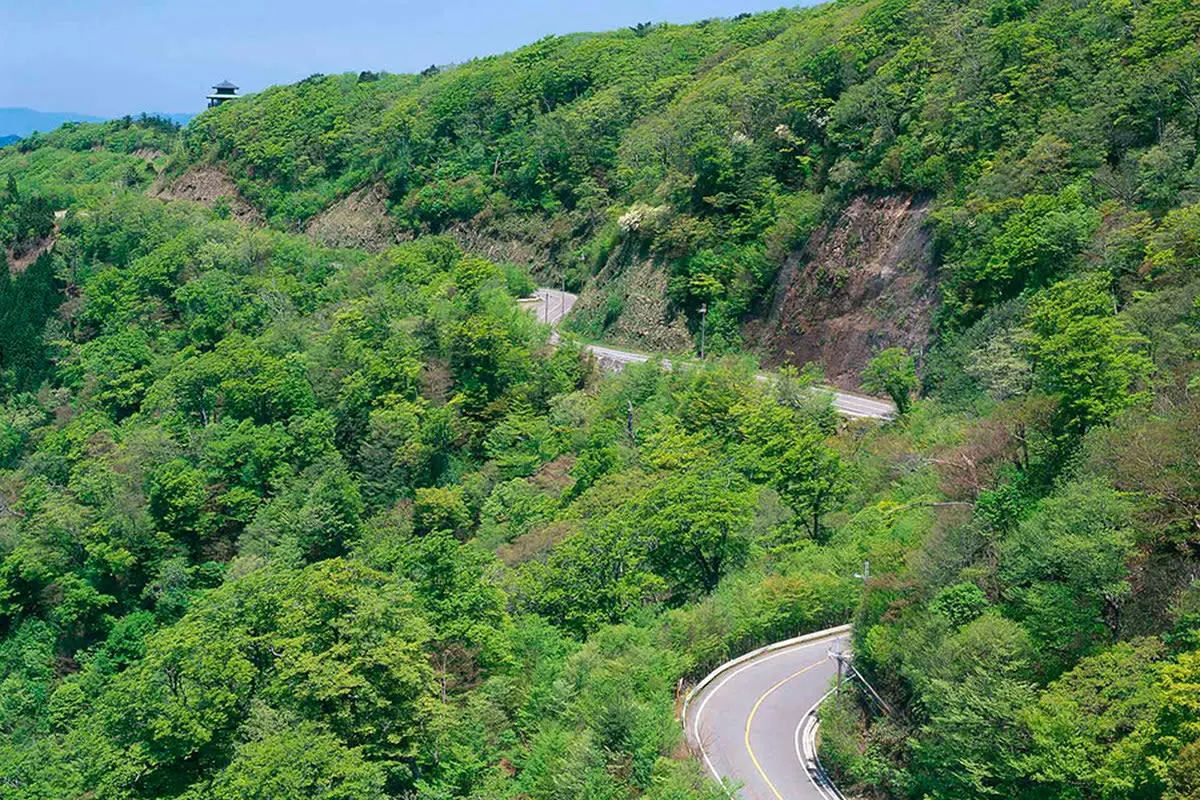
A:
(845, 403)
(719, 686)
(808, 758)
(755, 656)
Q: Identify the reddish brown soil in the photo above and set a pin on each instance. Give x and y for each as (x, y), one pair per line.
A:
(861, 284)
(18, 264)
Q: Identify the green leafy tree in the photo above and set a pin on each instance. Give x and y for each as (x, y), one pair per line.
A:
(300, 761)
(811, 475)
(392, 457)
(596, 576)
(441, 509)
(961, 603)
(893, 373)
(336, 645)
(1066, 569)
(1081, 718)
(694, 524)
(1084, 354)
(975, 691)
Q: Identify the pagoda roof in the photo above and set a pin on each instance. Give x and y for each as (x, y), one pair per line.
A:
(225, 85)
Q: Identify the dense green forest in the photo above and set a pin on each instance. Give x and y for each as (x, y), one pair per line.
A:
(280, 520)
(716, 148)
(277, 499)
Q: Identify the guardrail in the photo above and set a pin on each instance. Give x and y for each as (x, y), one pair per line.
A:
(806, 749)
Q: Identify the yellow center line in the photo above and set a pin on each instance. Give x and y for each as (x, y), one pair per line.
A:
(750, 720)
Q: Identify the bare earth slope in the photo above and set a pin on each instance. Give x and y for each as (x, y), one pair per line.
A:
(646, 319)
(207, 185)
(360, 220)
(862, 283)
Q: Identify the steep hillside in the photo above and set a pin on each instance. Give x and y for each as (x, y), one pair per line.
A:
(865, 281)
(359, 220)
(726, 143)
(297, 501)
(210, 186)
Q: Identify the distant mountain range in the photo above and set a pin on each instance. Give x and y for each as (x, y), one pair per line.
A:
(16, 123)
(24, 121)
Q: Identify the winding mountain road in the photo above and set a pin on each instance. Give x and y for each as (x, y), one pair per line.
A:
(551, 305)
(753, 721)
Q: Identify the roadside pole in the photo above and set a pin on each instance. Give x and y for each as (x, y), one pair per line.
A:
(838, 656)
(844, 669)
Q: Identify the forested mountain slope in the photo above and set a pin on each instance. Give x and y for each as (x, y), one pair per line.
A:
(714, 150)
(295, 501)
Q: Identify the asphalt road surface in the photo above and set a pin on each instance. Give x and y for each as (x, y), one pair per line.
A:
(551, 306)
(747, 722)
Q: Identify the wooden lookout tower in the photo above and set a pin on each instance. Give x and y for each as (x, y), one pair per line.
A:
(223, 92)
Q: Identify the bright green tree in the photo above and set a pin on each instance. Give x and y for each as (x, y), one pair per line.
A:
(1084, 354)
(694, 524)
(893, 373)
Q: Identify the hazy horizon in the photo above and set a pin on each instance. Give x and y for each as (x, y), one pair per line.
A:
(125, 58)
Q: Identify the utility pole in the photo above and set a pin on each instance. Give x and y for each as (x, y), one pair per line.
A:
(844, 665)
(845, 668)
(841, 658)
(703, 324)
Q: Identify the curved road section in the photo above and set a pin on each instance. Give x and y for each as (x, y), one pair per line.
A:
(551, 305)
(752, 721)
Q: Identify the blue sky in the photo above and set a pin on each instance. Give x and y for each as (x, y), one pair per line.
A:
(111, 57)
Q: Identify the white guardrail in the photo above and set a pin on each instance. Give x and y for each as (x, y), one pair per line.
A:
(806, 730)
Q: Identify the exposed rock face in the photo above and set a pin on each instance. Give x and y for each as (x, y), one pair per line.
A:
(359, 220)
(862, 283)
(18, 263)
(149, 155)
(207, 185)
(648, 321)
